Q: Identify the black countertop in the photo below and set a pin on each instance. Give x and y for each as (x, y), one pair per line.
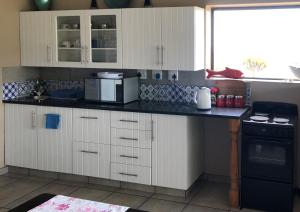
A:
(139, 106)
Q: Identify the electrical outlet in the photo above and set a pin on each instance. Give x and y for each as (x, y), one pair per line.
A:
(143, 74)
(172, 75)
(157, 75)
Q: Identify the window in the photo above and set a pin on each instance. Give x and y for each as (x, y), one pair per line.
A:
(262, 42)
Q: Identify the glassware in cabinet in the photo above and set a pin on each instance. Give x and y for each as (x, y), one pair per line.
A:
(68, 39)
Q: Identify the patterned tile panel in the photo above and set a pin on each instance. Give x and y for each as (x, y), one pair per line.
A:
(175, 93)
(13, 90)
(168, 92)
(149, 92)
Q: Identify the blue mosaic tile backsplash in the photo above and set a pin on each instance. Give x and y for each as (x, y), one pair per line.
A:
(149, 92)
(168, 92)
(13, 90)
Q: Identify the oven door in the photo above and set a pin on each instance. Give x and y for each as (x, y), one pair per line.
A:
(267, 158)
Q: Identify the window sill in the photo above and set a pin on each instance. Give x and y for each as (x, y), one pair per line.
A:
(287, 81)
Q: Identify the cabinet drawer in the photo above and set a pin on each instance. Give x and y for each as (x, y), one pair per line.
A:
(131, 173)
(129, 120)
(91, 159)
(91, 126)
(131, 138)
(132, 156)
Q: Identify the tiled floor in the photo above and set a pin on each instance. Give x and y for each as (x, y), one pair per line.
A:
(208, 197)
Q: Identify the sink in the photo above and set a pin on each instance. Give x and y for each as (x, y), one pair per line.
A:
(40, 98)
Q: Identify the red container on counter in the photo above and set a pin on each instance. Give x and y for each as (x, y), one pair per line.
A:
(221, 101)
(229, 101)
(239, 102)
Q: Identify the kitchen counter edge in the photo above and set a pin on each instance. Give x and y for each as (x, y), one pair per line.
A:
(140, 107)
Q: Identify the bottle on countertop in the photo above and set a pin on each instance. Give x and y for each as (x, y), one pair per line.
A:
(94, 4)
(148, 3)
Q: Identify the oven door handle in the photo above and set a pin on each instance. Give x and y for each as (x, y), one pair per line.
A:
(253, 140)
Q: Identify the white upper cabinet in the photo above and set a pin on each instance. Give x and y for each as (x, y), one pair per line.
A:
(163, 38)
(36, 38)
(182, 38)
(137, 38)
(69, 39)
(141, 34)
(75, 38)
(104, 39)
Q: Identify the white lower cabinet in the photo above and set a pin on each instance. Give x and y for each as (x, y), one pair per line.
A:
(131, 173)
(150, 149)
(55, 145)
(20, 136)
(131, 138)
(177, 151)
(91, 159)
(91, 126)
(130, 120)
(131, 156)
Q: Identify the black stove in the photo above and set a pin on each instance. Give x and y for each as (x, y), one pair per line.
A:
(268, 156)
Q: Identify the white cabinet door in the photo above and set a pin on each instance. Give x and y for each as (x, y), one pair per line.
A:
(104, 38)
(177, 152)
(182, 38)
(20, 136)
(141, 34)
(55, 145)
(69, 38)
(91, 159)
(131, 120)
(131, 173)
(36, 38)
(91, 126)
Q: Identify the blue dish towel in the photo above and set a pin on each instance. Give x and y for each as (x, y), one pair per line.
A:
(52, 121)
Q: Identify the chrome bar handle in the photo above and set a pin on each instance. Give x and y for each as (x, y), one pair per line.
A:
(86, 54)
(89, 152)
(126, 156)
(131, 175)
(48, 54)
(162, 55)
(33, 120)
(130, 121)
(131, 139)
(82, 54)
(158, 49)
(152, 130)
(88, 117)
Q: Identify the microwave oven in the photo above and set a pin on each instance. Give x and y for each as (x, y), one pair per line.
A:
(112, 88)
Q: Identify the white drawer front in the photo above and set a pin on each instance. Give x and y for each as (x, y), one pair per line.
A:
(91, 159)
(132, 156)
(131, 173)
(91, 126)
(131, 138)
(129, 120)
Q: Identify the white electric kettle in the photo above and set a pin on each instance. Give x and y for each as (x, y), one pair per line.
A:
(203, 99)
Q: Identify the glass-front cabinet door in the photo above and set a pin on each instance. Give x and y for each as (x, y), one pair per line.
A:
(105, 43)
(69, 43)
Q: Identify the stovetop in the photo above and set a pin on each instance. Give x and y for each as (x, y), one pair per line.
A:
(271, 119)
(273, 114)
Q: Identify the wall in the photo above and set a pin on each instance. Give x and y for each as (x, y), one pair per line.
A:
(9, 36)
(1, 127)
(85, 4)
